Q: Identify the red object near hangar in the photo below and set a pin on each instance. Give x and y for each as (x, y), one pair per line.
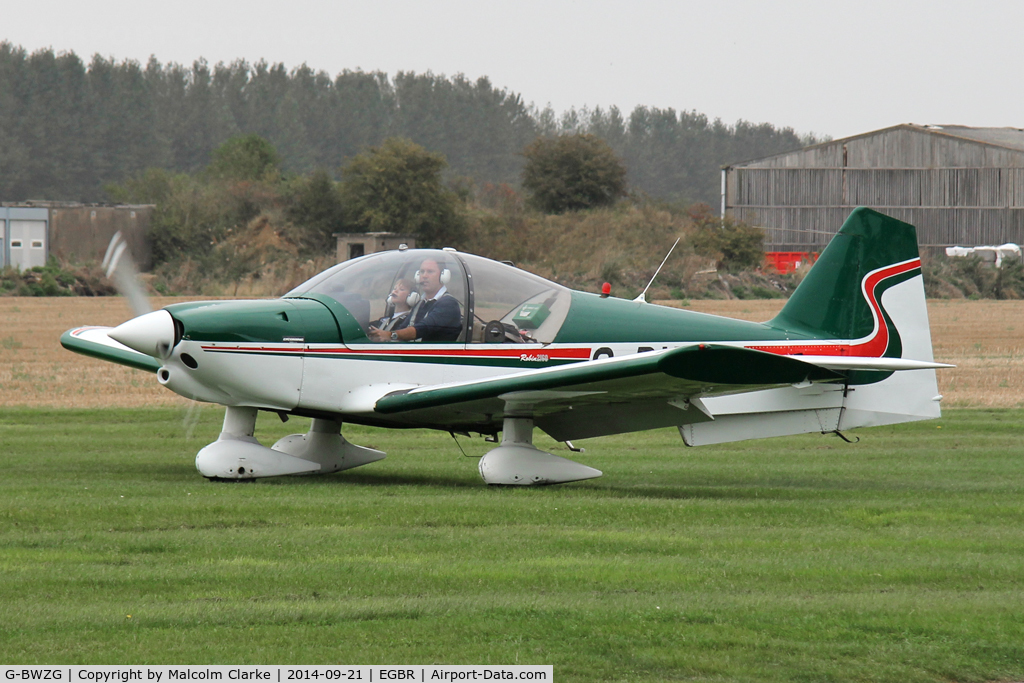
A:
(787, 261)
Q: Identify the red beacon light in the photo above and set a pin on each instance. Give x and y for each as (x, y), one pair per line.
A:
(606, 290)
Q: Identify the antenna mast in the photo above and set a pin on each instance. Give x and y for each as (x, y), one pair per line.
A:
(643, 295)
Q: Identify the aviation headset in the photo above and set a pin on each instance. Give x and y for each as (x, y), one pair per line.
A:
(414, 296)
(446, 277)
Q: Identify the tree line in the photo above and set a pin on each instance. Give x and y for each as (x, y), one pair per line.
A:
(68, 129)
(242, 226)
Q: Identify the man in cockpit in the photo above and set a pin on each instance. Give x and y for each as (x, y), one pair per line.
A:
(436, 317)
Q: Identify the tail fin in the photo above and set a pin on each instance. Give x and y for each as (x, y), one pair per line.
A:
(842, 296)
(864, 297)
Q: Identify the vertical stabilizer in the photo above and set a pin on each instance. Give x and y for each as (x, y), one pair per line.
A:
(842, 294)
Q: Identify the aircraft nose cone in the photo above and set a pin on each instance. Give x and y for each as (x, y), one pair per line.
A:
(151, 334)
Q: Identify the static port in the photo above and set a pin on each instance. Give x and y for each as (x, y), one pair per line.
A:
(189, 361)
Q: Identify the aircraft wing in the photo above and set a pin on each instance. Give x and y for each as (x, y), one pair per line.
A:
(612, 395)
(93, 341)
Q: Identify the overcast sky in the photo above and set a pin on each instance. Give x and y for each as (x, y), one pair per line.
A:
(832, 68)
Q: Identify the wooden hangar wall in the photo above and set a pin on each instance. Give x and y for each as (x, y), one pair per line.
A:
(958, 185)
(32, 231)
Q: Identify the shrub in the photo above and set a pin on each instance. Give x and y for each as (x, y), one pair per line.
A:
(316, 209)
(572, 173)
(970, 277)
(734, 244)
(54, 279)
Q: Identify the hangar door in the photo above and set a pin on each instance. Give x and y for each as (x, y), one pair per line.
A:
(27, 241)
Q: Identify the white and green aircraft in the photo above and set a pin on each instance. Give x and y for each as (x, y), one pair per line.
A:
(488, 348)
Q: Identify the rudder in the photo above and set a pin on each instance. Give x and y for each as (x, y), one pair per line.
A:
(840, 297)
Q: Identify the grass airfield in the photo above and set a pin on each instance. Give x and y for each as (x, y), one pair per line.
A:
(899, 558)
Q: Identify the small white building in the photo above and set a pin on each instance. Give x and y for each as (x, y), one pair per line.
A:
(23, 236)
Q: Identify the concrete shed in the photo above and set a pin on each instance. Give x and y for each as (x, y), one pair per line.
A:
(958, 185)
(82, 232)
(355, 244)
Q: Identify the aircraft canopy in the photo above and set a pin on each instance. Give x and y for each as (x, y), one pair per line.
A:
(497, 303)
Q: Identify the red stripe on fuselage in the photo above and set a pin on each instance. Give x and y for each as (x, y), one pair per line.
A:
(571, 354)
(554, 354)
(873, 346)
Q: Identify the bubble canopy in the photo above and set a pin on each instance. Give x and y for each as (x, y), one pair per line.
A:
(392, 290)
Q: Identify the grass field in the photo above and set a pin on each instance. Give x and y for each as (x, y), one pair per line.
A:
(898, 558)
(797, 559)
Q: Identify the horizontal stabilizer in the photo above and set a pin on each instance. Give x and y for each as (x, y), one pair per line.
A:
(865, 363)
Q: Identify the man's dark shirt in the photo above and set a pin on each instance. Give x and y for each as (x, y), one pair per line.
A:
(438, 319)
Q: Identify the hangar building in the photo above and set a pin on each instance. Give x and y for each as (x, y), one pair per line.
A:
(958, 185)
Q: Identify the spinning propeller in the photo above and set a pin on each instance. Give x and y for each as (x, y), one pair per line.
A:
(149, 332)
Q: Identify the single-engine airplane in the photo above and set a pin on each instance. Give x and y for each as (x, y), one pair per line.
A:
(485, 347)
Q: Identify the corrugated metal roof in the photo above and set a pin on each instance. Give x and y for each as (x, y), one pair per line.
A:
(1007, 138)
(1012, 138)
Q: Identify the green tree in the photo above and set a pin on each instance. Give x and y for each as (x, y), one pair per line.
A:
(572, 172)
(67, 128)
(397, 187)
(247, 157)
(315, 208)
(479, 128)
(193, 115)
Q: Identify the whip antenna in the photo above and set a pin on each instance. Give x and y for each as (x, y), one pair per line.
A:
(642, 298)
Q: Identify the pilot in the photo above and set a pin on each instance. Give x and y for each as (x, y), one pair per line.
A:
(398, 307)
(436, 318)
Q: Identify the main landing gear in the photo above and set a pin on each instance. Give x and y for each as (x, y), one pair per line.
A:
(517, 462)
(236, 454)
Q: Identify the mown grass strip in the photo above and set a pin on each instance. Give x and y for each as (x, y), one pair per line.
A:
(894, 559)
